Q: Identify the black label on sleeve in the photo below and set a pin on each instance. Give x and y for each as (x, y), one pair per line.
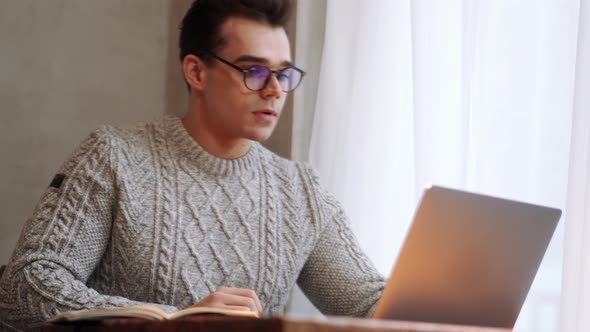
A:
(58, 179)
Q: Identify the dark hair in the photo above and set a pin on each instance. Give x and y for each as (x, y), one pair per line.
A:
(199, 30)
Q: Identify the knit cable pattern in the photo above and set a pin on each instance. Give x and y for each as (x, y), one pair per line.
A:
(146, 215)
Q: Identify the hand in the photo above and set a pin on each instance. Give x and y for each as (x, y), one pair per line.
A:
(232, 298)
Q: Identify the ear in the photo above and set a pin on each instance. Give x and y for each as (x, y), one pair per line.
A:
(194, 71)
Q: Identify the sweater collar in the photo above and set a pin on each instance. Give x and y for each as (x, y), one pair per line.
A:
(190, 150)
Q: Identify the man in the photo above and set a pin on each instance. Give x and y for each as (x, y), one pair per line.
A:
(194, 211)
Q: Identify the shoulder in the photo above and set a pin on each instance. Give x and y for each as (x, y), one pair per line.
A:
(289, 169)
(303, 177)
(106, 141)
(135, 135)
(134, 139)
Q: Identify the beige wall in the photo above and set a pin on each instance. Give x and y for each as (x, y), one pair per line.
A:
(67, 66)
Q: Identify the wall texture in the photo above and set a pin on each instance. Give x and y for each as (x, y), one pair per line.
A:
(67, 66)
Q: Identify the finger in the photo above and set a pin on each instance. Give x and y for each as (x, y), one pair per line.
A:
(226, 299)
(243, 292)
(241, 308)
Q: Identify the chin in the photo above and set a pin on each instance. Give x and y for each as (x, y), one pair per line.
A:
(259, 135)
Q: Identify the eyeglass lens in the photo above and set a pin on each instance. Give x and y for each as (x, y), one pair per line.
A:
(257, 76)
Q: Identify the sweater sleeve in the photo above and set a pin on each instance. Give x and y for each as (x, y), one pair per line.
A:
(63, 242)
(338, 278)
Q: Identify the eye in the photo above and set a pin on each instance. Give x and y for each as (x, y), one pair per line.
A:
(282, 77)
(258, 72)
(286, 74)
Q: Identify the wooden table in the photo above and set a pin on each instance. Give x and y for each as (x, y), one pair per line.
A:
(207, 323)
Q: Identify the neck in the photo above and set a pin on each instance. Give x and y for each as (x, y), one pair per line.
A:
(221, 147)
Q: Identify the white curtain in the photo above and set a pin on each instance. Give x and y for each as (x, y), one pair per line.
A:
(576, 279)
(472, 94)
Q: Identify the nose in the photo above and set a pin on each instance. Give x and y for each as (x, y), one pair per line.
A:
(272, 88)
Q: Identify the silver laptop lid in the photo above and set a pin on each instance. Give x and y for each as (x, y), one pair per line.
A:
(467, 259)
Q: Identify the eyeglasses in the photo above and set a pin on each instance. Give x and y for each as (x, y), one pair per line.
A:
(257, 77)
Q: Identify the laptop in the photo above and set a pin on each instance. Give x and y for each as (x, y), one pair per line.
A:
(467, 259)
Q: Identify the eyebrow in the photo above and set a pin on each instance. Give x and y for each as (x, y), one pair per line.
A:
(252, 58)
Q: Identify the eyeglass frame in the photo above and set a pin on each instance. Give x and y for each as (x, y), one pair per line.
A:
(245, 71)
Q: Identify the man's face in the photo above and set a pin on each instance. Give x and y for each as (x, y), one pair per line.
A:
(233, 111)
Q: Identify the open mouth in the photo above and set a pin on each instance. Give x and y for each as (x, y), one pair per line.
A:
(265, 116)
(267, 112)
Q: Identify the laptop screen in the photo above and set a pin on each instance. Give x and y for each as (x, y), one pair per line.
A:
(467, 259)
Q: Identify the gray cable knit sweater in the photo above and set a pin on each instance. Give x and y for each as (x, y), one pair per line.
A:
(146, 215)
